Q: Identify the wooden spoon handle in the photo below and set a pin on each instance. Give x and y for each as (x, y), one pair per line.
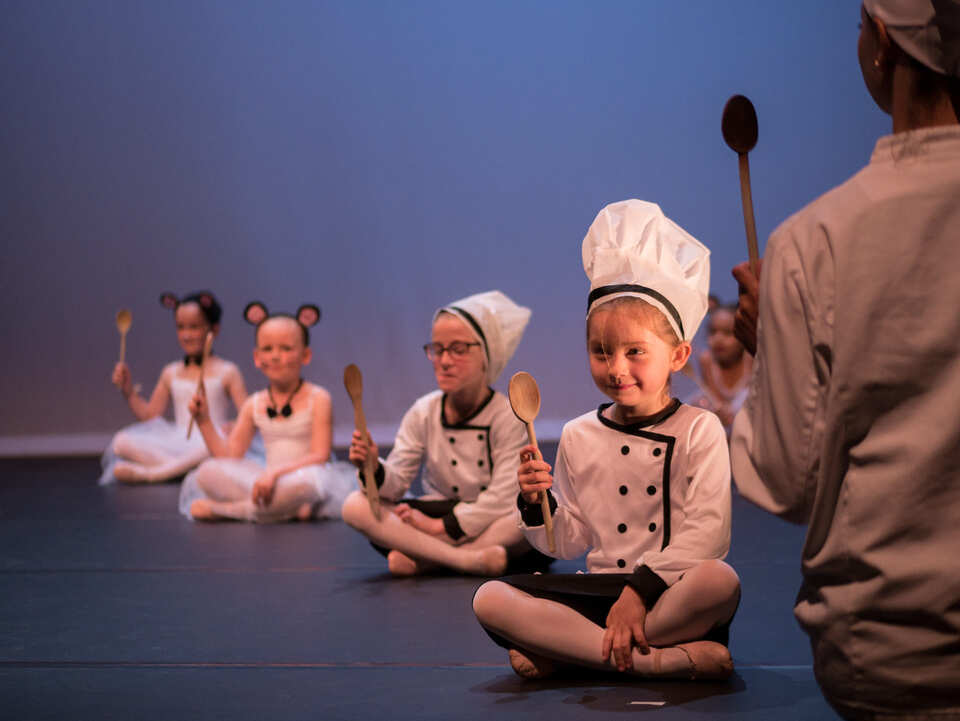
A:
(123, 346)
(544, 501)
(370, 465)
(747, 197)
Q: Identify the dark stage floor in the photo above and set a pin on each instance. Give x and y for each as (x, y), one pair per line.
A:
(113, 606)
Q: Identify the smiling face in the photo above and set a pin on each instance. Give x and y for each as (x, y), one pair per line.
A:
(629, 359)
(192, 328)
(280, 353)
(457, 373)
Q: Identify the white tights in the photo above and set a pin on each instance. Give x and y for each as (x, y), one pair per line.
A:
(138, 462)
(706, 596)
(485, 555)
(228, 482)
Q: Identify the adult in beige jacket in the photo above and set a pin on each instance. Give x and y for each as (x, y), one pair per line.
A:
(852, 424)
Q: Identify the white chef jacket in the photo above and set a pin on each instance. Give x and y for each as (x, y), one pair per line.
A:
(641, 498)
(851, 423)
(474, 461)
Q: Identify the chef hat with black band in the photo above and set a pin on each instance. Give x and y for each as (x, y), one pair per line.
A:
(496, 321)
(926, 30)
(633, 249)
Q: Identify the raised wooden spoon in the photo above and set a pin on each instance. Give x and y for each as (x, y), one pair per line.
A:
(740, 131)
(525, 401)
(207, 348)
(124, 321)
(353, 381)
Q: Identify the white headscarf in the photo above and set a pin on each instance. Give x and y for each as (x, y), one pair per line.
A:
(927, 30)
(496, 321)
(633, 249)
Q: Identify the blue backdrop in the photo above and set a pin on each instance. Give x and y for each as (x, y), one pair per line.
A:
(379, 159)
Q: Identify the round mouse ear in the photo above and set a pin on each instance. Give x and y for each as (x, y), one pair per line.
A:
(255, 312)
(206, 300)
(169, 301)
(308, 314)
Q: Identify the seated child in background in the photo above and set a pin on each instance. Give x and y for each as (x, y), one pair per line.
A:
(156, 449)
(642, 484)
(469, 441)
(725, 369)
(296, 421)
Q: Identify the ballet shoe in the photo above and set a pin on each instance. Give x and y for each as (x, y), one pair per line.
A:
(401, 565)
(706, 661)
(530, 666)
(492, 561)
(200, 510)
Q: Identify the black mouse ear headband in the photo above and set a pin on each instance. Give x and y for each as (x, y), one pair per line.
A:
(308, 315)
(169, 301)
(255, 312)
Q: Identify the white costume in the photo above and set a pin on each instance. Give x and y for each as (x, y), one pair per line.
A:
(474, 462)
(851, 422)
(162, 444)
(649, 499)
(285, 439)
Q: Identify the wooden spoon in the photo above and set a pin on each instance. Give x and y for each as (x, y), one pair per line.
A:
(353, 381)
(124, 321)
(207, 347)
(525, 401)
(740, 131)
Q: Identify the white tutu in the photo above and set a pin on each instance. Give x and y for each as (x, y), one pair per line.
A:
(229, 481)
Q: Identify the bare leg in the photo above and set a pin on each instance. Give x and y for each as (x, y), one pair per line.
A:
(420, 547)
(544, 628)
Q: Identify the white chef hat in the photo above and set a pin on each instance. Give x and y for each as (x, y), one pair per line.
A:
(633, 249)
(496, 321)
(927, 30)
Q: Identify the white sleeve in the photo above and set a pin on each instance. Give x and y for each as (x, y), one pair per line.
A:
(778, 433)
(572, 535)
(409, 447)
(704, 531)
(507, 437)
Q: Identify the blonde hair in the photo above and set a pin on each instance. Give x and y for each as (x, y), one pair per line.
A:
(648, 314)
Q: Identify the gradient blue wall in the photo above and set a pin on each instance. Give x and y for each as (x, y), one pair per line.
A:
(379, 159)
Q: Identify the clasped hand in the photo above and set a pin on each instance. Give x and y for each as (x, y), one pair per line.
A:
(420, 520)
(624, 630)
(263, 489)
(198, 404)
(533, 475)
(361, 448)
(121, 379)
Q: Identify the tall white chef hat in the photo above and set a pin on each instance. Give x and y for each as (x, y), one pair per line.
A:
(496, 321)
(927, 30)
(633, 249)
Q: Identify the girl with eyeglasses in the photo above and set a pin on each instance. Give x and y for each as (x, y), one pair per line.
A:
(467, 441)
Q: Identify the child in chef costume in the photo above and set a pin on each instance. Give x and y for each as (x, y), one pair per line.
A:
(468, 440)
(296, 421)
(156, 449)
(642, 484)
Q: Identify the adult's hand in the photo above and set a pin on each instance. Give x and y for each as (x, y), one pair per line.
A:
(748, 303)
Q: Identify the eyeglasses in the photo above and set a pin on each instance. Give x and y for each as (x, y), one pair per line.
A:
(457, 349)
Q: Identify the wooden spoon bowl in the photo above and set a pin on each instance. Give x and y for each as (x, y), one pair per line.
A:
(353, 382)
(525, 401)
